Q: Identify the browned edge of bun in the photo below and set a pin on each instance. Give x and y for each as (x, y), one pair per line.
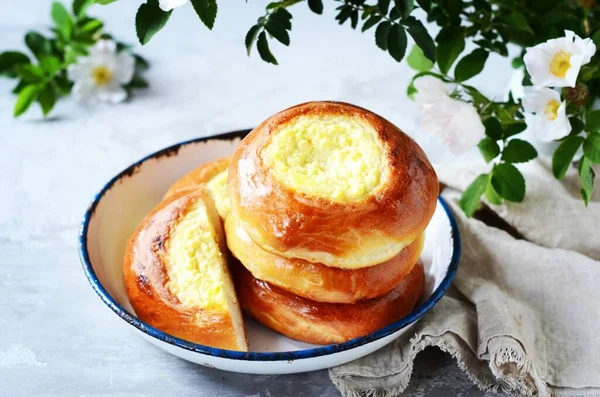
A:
(325, 323)
(198, 176)
(315, 281)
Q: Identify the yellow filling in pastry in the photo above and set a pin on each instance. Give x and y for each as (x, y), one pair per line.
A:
(218, 188)
(336, 157)
(194, 262)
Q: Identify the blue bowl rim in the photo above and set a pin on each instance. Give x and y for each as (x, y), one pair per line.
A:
(413, 316)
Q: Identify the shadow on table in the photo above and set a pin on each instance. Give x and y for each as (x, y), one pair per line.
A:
(435, 375)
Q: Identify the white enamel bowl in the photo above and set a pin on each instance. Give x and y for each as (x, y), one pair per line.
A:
(119, 207)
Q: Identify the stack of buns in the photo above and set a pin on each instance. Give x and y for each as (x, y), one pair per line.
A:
(324, 207)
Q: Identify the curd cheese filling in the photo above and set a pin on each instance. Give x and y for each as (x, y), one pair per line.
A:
(336, 157)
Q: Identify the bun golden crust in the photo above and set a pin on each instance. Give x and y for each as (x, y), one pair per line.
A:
(387, 213)
(318, 282)
(325, 323)
(147, 278)
(198, 176)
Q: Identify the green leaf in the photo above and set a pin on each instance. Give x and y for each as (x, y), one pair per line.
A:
(372, 21)
(344, 14)
(469, 200)
(63, 85)
(354, 19)
(512, 129)
(451, 42)
(278, 31)
(563, 156)
(50, 64)
(492, 196)
(405, 7)
(489, 149)
(591, 147)
(263, 49)
(9, 60)
(316, 6)
(493, 128)
(104, 2)
(576, 125)
(396, 42)
(47, 98)
(470, 65)
(19, 87)
(25, 99)
(417, 60)
(384, 6)
(207, 11)
(421, 37)
(283, 17)
(91, 27)
(381, 35)
(138, 82)
(424, 4)
(395, 14)
(60, 15)
(30, 73)
(593, 121)
(149, 20)
(518, 151)
(80, 7)
(517, 62)
(38, 44)
(586, 178)
(251, 37)
(508, 182)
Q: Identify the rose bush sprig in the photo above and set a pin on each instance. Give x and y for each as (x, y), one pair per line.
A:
(561, 75)
(561, 85)
(77, 58)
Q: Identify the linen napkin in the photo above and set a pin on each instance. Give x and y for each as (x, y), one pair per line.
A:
(523, 315)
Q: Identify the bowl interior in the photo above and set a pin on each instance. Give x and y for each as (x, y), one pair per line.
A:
(126, 199)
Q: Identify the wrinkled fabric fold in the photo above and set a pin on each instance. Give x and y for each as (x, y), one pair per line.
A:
(523, 315)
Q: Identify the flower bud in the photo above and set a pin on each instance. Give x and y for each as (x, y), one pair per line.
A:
(577, 95)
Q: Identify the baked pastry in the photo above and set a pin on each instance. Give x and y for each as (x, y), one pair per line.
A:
(332, 183)
(214, 176)
(315, 281)
(176, 275)
(324, 323)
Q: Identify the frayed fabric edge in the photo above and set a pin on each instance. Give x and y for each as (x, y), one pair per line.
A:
(483, 381)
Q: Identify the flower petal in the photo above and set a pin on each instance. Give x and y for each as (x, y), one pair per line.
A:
(429, 90)
(168, 5)
(124, 68)
(103, 48)
(112, 94)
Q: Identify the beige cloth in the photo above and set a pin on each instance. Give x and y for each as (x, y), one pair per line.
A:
(523, 315)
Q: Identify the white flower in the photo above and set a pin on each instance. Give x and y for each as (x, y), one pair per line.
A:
(168, 5)
(546, 114)
(102, 74)
(457, 122)
(556, 63)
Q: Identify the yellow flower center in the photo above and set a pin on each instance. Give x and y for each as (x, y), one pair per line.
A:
(560, 63)
(551, 109)
(102, 75)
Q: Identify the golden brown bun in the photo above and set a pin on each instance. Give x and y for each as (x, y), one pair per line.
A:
(146, 279)
(319, 282)
(352, 234)
(324, 323)
(198, 176)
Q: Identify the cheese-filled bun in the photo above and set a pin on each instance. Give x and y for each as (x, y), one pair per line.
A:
(176, 275)
(332, 183)
(324, 323)
(315, 281)
(213, 175)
